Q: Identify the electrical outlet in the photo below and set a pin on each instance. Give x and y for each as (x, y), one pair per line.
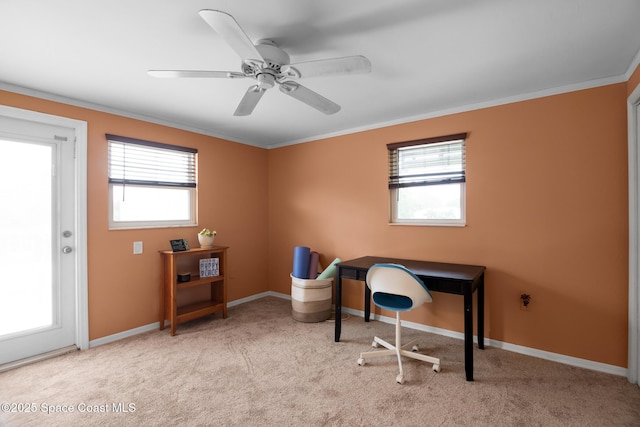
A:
(137, 248)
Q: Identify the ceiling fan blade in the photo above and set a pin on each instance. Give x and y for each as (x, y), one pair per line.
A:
(195, 73)
(329, 67)
(309, 97)
(249, 101)
(225, 25)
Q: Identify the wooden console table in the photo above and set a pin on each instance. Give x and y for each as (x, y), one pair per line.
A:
(174, 263)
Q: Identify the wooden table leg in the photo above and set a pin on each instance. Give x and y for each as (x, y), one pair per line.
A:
(367, 302)
(338, 315)
(468, 332)
(481, 312)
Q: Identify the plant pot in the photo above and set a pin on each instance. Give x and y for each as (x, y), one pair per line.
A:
(206, 242)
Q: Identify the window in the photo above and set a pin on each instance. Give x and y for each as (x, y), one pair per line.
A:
(150, 184)
(427, 181)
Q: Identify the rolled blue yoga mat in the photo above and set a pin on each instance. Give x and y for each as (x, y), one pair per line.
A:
(301, 262)
(330, 271)
(313, 265)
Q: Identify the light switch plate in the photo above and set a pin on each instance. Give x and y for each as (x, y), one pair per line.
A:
(137, 248)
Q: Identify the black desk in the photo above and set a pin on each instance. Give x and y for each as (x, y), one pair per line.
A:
(457, 279)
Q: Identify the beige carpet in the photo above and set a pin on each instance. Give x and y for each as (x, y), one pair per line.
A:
(259, 367)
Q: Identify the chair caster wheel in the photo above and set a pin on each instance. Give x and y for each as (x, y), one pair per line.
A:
(374, 344)
(415, 348)
(361, 361)
(400, 379)
(436, 368)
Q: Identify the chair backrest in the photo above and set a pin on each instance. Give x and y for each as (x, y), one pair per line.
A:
(396, 288)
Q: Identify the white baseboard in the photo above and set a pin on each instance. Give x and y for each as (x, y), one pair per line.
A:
(125, 334)
(554, 357)
(154, 326)
(258, 296)
(560, 358)
(541, 354)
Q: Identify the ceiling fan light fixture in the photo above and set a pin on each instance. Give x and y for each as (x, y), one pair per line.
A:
(266, 81)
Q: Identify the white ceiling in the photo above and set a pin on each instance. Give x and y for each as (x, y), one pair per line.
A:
(428, 57)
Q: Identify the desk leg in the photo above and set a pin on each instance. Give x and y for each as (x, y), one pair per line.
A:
(367, 302)
(481, 312)
(468, 332)
(338, 315)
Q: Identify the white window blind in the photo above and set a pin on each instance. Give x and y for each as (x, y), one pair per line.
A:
(139, 162)
(432, 161)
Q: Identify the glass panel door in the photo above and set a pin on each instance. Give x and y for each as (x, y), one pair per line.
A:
(37, 238)
(26, 293)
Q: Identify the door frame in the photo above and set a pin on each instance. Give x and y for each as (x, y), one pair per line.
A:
(633, 361)
(80, 211)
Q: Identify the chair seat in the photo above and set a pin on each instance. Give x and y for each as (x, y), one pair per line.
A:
(392, 301)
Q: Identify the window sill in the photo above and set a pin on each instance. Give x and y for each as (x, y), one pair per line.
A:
(148, 226)
(430, 224)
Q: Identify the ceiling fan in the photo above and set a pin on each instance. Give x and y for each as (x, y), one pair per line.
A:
(269, 65)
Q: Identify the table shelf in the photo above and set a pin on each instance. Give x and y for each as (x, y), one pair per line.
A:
(196, 310)
(198, 281)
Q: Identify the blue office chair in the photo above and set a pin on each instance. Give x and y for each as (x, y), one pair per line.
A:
(395, 288)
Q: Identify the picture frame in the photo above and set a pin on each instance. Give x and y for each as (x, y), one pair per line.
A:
(209, 267)
(179, 245)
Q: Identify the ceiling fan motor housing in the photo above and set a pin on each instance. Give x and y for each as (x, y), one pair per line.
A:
(266, 72)
(274, 56)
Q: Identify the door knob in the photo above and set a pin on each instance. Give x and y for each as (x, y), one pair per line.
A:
(67, 250)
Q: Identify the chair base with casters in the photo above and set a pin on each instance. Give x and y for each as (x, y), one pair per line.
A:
(395, 288)
(398, 350)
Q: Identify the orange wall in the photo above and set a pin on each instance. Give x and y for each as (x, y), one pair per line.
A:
(546, 213)
(124, 288)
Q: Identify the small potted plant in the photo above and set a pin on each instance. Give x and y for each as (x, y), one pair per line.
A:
(205, 238)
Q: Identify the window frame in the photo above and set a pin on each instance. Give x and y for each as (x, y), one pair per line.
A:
(190, 187)
(394, 179)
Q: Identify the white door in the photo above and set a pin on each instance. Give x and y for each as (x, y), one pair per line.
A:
(633, 106)
(38, 238)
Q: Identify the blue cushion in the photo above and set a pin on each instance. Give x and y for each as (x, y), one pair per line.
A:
(392, 301)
